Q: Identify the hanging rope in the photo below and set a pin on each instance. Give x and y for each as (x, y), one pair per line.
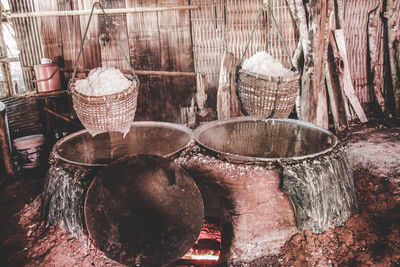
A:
(108, 21)
(262, 9)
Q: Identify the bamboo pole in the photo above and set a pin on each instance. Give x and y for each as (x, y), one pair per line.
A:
(148, 72)
(9, 59)
(99, 12)
(61, 116)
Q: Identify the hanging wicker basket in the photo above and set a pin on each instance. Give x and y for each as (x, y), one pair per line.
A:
(264, 96)
(107, 113)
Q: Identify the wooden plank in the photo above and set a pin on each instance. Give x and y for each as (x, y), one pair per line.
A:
(348, 84)
(335, 92)
(87, 11)
(144, 52)
(111, 54)
(91, 52)
(50, 33)
(161, 42)
(235, 106)
(70, 34)
(224, 87)
(176, 55)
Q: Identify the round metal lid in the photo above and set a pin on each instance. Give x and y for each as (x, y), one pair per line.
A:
(143, 210)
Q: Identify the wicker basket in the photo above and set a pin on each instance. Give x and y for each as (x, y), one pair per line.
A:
(263, 96)
(106, 113)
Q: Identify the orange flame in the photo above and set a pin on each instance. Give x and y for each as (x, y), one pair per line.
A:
(196, 254)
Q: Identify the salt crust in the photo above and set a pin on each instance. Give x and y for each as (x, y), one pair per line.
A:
(102, 81)
(263, 63)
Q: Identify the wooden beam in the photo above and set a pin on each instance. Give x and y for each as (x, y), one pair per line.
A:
(62, 117)
(99, 12)
(146, 72)
(9, 59)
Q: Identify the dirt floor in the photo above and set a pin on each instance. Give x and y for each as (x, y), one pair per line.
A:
(371, 237)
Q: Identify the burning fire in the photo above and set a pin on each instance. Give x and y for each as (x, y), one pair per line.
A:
(208, 245)
(202, 254)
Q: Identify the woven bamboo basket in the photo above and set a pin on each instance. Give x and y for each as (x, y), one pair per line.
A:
(107, 113)
(263, 96)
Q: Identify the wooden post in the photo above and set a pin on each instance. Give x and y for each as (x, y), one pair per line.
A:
(375, 42)
(392, 15)
(201, 87)
(334, 68)
(235, 107)
(224, 87)
(313, 93)
(3, 142)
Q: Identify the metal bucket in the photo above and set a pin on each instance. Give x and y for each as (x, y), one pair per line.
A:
(29, 150)
(47, 76)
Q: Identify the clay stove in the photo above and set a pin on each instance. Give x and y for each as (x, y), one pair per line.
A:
(269, 179)
(261, 180)
(81, 193)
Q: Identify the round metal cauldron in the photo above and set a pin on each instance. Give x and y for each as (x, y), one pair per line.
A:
(251, 140)
(154, 183)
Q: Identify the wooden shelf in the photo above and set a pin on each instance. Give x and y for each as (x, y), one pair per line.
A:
(55, 93)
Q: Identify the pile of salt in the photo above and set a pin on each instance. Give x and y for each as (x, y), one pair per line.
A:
(263, 63)
(102, 81)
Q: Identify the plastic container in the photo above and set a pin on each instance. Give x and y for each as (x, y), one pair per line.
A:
(29, 149)
(47, 76)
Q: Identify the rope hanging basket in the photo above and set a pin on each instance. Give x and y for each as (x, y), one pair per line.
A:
(105, 113)
(264, 96)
